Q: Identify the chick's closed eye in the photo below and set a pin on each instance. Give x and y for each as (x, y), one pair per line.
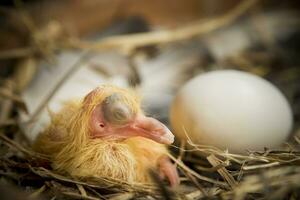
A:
(116, 111)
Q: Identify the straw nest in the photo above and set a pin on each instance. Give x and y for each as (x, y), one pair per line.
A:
(206, 172)
(215, 174)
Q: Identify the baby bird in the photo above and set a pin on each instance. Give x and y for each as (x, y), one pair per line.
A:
(107, 135)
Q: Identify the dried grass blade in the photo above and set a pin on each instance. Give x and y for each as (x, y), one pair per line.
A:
(222, 171)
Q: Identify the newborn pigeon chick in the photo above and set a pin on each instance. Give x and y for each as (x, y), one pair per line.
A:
(107, 135)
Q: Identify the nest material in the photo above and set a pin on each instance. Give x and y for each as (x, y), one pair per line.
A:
(271, 174)
(206, 172)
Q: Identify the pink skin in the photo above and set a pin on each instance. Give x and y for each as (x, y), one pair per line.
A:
(142, 126)
(168, 170)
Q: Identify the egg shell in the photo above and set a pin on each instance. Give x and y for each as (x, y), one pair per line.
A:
(231, 110)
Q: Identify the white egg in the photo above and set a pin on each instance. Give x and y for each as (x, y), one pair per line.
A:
(232, 110)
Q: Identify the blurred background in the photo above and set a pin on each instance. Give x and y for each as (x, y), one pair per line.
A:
(261, 37)
(51, 51)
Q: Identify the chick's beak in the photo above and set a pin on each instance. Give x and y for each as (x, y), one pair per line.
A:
(150, 128)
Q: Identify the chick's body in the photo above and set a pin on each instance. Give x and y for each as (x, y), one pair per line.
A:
(72, 149)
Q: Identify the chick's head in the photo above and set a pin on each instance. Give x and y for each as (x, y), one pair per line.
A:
(115, 114)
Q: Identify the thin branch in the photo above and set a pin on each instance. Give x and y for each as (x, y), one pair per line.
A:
(253, 167)
(192, 172)
(222, 171)
(127, 43)
(84, 56)
(78, 196)
(22, 149)
(16, 53)
(38, 192)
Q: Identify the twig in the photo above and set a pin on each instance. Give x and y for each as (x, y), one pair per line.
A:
(105, 182)
(276, 177)
(197, 184)
(194, 195)
(123, 196)
(81, 189)
(252, 167)
(84, 56)
(128, 43)
(16, 53)
(181, 151)
(222, 171)
(7, 93)
(95, 192)
(19, 147)
(78, 196)
(38, 192)
(297, 139)
(6, 104)
(240, 159)
(203, 178)
(211, 169)
(8, 122)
